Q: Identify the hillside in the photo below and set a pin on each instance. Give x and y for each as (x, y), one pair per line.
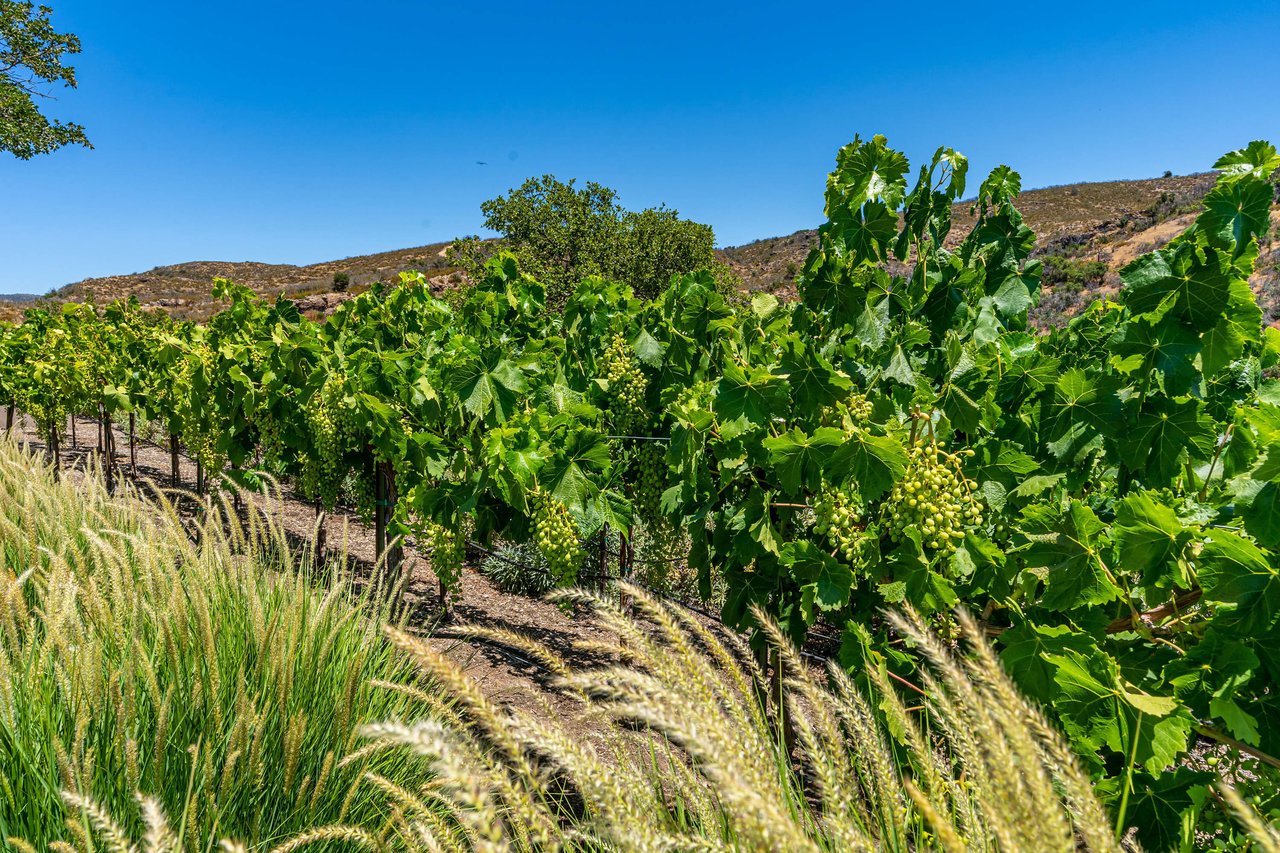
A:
(1086, 232)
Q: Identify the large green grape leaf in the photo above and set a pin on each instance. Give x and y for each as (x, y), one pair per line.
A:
(1157, 803)
(1234, 571)
(1167, 347)
(569, 475)
(873, 462)
(814, 382)
(1024, 648)
(1081, 398)
(869, 231)
(1064, 548)
(1165, 432)
(1148, 536)
(1196, 280)
(799, 457)
(1262, 517)
(753, 393)
(1257, 160)
(1098, 709)
(825, 582)
(488, 387)
(1236, 212)
(865, 172)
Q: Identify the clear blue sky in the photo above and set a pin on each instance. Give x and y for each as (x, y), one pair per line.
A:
(303, 131)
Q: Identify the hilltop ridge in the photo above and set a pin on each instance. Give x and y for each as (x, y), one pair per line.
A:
(1085, 231)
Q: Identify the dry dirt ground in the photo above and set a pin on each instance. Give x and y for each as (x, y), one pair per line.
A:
(506, 677)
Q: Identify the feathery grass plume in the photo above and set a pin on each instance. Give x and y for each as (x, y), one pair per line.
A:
(697, 756)
(122, 643)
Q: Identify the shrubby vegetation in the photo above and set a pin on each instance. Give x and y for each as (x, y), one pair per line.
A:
(562, 234)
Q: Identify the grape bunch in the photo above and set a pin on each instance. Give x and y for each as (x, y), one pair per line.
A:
(322, 467)
(448, 549)
(556, 536)
(849, 414)
(934, 497)
(839, 518)
(650, 468)
(201, 427)
(627, 384)
(270, 439)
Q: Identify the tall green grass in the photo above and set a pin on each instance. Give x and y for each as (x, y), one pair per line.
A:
(226, 679)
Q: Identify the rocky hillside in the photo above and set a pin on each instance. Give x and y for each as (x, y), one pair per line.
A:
(1086, 233)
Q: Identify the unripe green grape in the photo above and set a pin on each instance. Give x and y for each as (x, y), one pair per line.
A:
(933, 496)
(556, 535)
(838, 518)
(627, 385)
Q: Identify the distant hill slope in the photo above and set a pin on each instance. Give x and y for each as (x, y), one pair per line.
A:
(1085, 232)
(184, 289)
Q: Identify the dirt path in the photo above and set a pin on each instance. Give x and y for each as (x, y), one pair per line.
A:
(504, 676)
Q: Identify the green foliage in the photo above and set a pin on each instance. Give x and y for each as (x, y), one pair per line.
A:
(1072, 273)
(31, 57)
(563, 234)
(341, 281)
(519, 569)
(1115, 523)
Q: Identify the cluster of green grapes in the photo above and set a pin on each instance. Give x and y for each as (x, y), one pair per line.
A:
(448, 548)
(556, 536)
(359, 492)
(627, 384)
(839, 518)
(650, 472)
(270, 439)
(200, 431)
(849, 414)
(935, 497)
(322, 466)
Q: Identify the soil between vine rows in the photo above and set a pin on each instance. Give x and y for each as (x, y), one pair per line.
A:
(505, 677)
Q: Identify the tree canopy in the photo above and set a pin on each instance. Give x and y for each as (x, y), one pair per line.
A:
(31, 62)
(563, 232)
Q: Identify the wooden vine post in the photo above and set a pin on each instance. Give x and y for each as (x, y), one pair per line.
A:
(173, 458)
(8, 419)
(133, 455)
(54, 452)
(72, 420)
(384, 491)
(106, 448)
(321, 544)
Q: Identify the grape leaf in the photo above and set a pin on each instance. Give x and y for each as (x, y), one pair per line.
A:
(1065, 547)
(1196, 278)
(825, 581)
(873, 462)
(799, 457)
(1234, 571)
(1164, 432)
(1148, 536)
(1262, 517)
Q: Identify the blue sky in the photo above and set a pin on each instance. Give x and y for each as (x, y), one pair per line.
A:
(296, 132)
